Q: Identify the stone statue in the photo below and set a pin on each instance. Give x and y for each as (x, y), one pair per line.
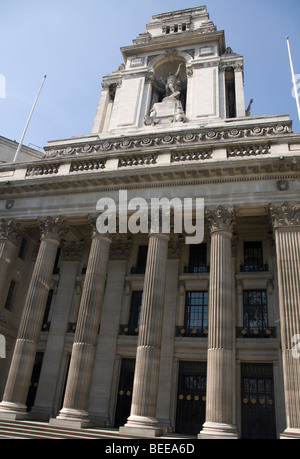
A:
(248, 111)
(170, 82)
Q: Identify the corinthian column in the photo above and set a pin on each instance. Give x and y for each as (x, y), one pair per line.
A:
(13, 405)
(219, 392)
(142, 420)
(286, 224)
(75, 406)
(10, 231)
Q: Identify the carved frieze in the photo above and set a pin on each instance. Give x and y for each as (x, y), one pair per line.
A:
(73, 250)
(156, 140)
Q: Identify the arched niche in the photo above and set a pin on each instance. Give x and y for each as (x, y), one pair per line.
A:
(163, 68)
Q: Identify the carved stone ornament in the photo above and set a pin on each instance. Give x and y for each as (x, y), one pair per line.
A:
(220, 219)
(73, 250)
(53, 227)
(10, 229)
(287, 214)
(120, 251)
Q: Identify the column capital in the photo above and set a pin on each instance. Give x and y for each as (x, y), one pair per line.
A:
(52, 227)
(221, 218)
(92, 218)
(10, 229)
(286, 214)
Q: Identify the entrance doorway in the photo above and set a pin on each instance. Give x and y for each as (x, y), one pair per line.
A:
(258, 408)
(191, 397)
(125, 392)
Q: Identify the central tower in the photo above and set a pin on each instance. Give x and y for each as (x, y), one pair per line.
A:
(177, 72)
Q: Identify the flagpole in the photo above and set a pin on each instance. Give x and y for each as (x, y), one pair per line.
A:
(28, 121)
(293, 76)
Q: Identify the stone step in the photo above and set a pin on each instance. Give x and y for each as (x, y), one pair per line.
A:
(40, 430)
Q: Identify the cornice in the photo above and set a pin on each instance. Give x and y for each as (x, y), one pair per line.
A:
(187, 174)
(185, 138)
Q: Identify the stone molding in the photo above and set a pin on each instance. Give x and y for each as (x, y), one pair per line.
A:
(176, 139)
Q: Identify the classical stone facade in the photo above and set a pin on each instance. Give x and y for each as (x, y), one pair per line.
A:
(140, 330)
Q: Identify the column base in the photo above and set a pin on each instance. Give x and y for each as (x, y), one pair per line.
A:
(218, 431)
(75, 419)
(290, 434)
(141, 426)
(13, 411)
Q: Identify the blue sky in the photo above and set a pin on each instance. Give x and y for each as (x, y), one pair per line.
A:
(77, 42)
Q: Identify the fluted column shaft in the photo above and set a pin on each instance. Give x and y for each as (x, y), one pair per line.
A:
(219, 393)
(15, 394)
(286, 222)
(142, 420)
(82, 360)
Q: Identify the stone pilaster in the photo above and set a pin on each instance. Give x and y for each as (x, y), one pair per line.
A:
(286, 224)
(220, 357)
(75, 406)
(15, 394)
(142, 420)
(10, 231)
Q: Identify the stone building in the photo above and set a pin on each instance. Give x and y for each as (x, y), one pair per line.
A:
(140, 330)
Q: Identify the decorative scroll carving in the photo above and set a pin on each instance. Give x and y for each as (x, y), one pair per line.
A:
(73, 250)
(53, 227)
(120, 251)
(287, 214)
(205, 135)
(221, 218)
(10, 229)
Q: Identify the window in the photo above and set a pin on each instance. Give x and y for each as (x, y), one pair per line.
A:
(135, 310)
(197, 260)
(22, 249)
(230, 93)
(141, 260)
(253, 257)
(56, 268)
(8, 302)
(255, 310)
(135, 315)
(46, 323)
(196, 313)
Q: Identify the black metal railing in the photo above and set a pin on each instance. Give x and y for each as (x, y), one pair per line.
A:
(244, 332)
(191, 332)
(254, 268)
(196, 269)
